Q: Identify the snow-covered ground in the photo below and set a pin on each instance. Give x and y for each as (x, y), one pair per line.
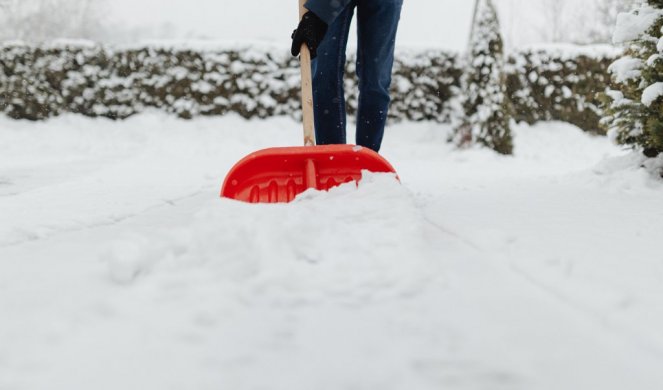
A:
(120, 268)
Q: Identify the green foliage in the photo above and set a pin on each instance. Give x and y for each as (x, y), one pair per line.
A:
(486, 107)
(559, 83)
(42, 81)
(634, 109)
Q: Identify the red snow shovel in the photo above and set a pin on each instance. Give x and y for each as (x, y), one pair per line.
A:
(278, 175)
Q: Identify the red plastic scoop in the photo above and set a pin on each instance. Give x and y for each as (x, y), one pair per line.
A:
(278, 175)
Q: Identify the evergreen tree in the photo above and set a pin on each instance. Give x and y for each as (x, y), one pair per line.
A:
(485, 104)
(634, 111)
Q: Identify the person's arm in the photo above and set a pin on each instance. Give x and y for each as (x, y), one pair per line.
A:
(313, 26)
(327, 10)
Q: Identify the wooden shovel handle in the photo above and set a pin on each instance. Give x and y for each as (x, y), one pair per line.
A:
(307, 88)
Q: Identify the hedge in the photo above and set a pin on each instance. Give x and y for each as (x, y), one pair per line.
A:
(39, 82)
(560, 82)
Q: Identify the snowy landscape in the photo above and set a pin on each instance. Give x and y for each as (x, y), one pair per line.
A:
(122, 268)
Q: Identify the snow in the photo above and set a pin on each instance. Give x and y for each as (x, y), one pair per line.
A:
(652, 93)
(618, 98)
(121, 269)
(569, 51)
(625, 69)
(630, 26)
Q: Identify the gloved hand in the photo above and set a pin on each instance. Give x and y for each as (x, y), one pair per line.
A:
(311, 31)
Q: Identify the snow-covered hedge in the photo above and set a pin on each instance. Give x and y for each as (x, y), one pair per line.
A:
(560, 82)
(37, 82)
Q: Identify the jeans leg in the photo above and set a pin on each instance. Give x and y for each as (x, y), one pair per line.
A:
(328, 70)
(377, 24)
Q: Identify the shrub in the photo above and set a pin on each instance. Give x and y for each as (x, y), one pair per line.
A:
(560, 82)
(634, 109)
(486, 107)
(38, 82)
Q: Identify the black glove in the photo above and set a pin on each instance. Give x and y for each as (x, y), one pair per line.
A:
(311, 31)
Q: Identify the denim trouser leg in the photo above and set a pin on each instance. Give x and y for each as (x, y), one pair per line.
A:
(328, 70)
(377, 25)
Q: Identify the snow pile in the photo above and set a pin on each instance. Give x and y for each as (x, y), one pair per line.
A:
(325, 246)
(629, 173)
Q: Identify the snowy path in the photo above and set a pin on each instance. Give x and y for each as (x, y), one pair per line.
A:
(119, 267)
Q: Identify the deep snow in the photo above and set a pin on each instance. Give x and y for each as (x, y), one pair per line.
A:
(121, 269)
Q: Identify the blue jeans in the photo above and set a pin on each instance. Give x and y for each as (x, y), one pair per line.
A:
(377, 23)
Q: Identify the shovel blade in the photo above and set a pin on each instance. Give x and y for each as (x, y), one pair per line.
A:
(278, 175)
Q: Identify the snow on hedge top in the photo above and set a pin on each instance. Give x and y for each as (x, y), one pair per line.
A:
(569, 51)
(630, 26)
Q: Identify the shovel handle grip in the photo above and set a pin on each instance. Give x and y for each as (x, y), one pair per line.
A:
(307, 88)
